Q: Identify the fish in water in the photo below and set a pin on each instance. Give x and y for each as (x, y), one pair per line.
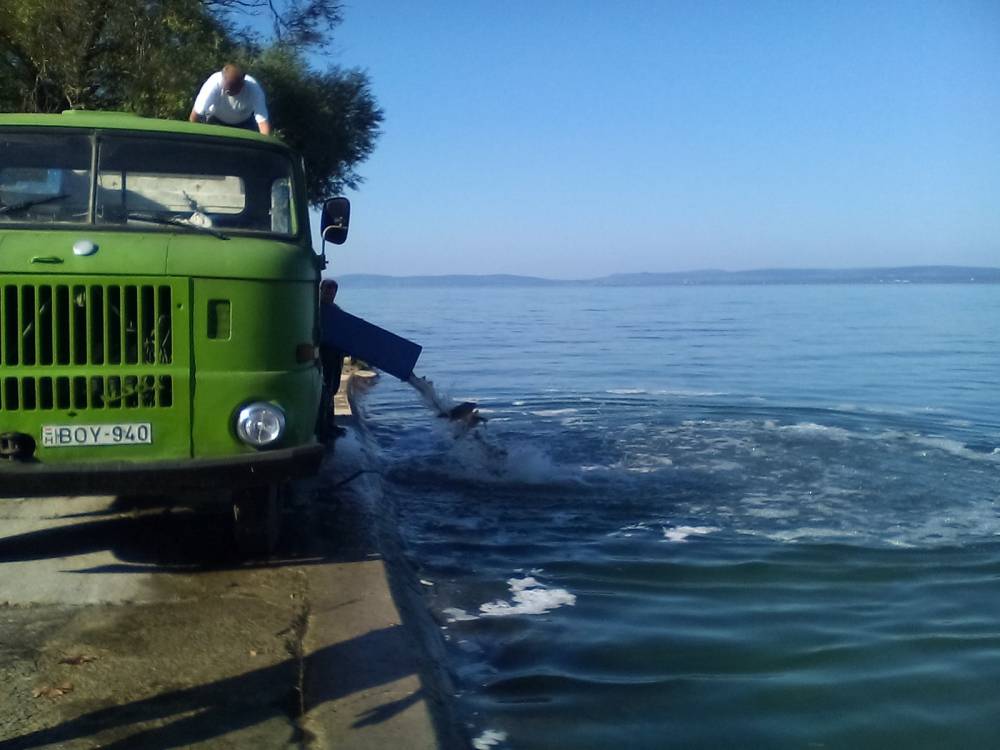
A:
(466, 412)
(465, 416)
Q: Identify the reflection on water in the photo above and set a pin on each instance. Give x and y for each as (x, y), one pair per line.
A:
(776, 528)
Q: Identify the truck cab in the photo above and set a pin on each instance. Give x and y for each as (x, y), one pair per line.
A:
(158, 309)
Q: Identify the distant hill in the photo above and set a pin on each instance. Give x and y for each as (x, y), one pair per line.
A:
(901, 275)
(500, 279)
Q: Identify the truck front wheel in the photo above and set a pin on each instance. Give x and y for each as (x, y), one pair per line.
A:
(257, 518)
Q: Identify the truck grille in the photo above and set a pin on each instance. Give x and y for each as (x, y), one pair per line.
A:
(86, 392)
(121, 334)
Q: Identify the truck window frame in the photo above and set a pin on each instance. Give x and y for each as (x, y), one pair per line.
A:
(300, 227)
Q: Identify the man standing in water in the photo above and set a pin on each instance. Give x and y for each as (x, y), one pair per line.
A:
(231, 97)
(332, 361)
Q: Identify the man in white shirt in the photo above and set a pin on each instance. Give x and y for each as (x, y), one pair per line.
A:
(231, 97)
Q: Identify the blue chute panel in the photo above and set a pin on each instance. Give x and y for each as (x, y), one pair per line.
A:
(376, 346)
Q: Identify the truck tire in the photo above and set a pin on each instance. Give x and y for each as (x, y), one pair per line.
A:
(257, 518)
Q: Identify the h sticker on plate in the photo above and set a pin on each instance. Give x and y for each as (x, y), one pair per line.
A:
(66, 436)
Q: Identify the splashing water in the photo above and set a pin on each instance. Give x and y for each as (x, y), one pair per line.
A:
(474, 455)
(466, 413)
(476, 452)
(436, 402)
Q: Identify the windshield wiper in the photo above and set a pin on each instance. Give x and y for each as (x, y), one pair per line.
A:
(175, 222)
(32, 202)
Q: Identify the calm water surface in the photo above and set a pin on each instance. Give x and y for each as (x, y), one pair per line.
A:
(706, 517)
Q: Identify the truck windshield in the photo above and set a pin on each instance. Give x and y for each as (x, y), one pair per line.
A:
(44, 178)
(145, 182)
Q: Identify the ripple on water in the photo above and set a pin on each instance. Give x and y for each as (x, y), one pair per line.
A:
(771, 558)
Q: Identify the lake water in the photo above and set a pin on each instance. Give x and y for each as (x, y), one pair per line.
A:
(706, 517)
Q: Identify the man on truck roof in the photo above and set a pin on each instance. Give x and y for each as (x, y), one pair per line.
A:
(231, 97)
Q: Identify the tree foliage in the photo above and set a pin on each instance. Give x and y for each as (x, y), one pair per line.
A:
(150, 57)
(107, 54)
(339, 108)
(295, 23)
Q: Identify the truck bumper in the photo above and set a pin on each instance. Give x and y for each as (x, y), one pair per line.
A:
(157, 477)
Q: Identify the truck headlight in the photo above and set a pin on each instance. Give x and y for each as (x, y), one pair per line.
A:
(260, 424)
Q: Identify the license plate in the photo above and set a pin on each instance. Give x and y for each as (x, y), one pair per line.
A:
(70, 436)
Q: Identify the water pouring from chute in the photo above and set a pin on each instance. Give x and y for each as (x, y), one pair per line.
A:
(393, 354)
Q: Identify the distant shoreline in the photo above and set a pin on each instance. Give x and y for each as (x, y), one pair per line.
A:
(887, 276)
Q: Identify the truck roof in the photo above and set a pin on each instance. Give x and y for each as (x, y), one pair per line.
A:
(78, 118)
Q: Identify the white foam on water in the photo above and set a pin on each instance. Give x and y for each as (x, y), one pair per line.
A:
(716, 436)
(654, 460)
(488, 739)
(528, 597)
(636, 427)
(803, 534)
(717, 465)
(629, 530)
(682, 533)
(772, 513)
(833, 491)
(456, 614)
(779, 505)
(890, 411)
(475, 456)
(626, 391)
(811, 429)
(685, 393)
(945, 445)
(955, 448)
(553, 412)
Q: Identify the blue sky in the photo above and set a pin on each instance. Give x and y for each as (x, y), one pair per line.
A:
(576, 139)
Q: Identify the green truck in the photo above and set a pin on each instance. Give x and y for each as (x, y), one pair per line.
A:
(159, 321)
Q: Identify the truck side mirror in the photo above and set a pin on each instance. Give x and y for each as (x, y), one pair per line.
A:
(334, 221)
